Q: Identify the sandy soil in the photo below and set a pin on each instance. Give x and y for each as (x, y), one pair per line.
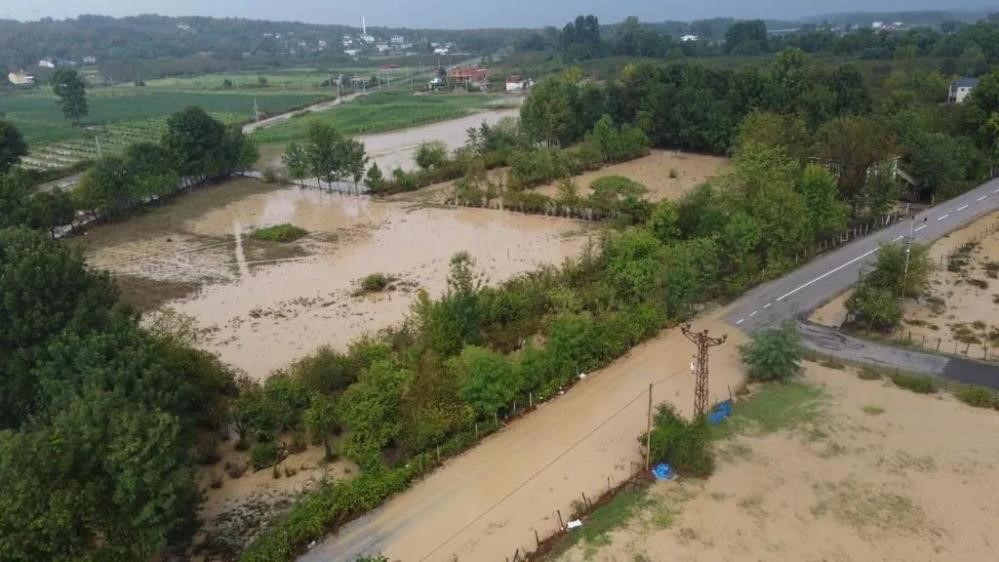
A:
(891, 476)
(241, 507)
(262, 305)
(488, 502)
(653, 171)
(961, 312)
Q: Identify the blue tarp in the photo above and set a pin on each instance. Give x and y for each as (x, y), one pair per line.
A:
(662, 471)
(720, 412)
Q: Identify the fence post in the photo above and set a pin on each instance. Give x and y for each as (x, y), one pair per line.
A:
(938, 343)
(561, 525)
(586, 502)
(537, 541)
(530, 399)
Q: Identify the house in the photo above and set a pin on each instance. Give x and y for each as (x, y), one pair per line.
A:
(351, 52)
(466, 74)
(382, 47)
(961, 88)
(322, 44)
(20, 78)
(397, 40)
(46, 63)
(441, 50)
(90, 60)
(688, 38)
(517, 83)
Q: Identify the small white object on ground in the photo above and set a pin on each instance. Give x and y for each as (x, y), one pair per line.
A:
(574, 524)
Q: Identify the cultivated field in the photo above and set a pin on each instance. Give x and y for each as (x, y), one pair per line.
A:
(837, 468)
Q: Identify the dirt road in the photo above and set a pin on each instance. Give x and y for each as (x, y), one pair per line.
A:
(489, 502)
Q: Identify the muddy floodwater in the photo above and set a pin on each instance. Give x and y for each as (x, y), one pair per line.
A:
(261, 305)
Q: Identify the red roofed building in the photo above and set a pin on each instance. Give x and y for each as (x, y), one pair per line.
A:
(462, 75)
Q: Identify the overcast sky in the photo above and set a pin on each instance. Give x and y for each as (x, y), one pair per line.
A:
(464, 13)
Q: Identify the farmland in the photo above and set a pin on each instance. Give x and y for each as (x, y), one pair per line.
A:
(382, 112)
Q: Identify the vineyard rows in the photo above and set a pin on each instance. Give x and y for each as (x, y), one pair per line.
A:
(113, 139)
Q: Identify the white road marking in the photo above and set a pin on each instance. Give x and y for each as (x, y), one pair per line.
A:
(982, 198)
(962, 207)
(943, 217)
(767, 305)
(995, 190)
(920, 227)
(827, 274)
(740, 321)
(753, 313)
(897, 238)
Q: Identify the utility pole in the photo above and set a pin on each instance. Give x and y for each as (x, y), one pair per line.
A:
(908, 250)
(700, 366)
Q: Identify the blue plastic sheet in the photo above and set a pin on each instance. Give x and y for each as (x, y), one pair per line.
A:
(662, 471)
(720, 412)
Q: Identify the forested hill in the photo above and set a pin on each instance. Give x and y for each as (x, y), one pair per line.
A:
(23, 44)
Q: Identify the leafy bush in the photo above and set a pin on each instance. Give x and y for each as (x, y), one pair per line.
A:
(977, 396)
(774, 354)
(279, 233)
(915, 383)
(375, 283)
(682, 444)
(264, 454)
(874, 308)
(431, 154)
(326, 371)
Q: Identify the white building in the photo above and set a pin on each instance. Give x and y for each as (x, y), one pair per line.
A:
(688, 38)
(20, 78)
(877, 24)
(397, 39)
(382, 47)
(961, 88)
(351, 52)
(46, 63)
(90, 60)
(518, 83)
(441, 51)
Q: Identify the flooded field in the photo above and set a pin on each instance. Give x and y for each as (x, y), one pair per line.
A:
(668, 174)
(261, 305)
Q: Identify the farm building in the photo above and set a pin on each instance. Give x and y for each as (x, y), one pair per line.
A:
(465, 74)
(20, 78)
(517, 83)
(688, 38)
(961, 88)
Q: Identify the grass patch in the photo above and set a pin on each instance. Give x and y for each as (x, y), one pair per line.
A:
(868, 374)
(773, 407)
(869, 509)
(375, 283)
(283, 233)
(916, 383)
(380, 112)
(872, 410)
(608, 517)
(977, 396)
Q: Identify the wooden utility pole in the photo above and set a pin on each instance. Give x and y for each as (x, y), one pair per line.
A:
(700, 366)
(648, 433)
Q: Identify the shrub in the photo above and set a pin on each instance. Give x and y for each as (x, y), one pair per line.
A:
(915, 383)
(375, 283)
(774, 354)
(868, 374)
(235, 470)
(431, 154)
(264, 454)
(215, 481)
(326, 371)
(206, 449)
(977, 396)
(874, 308)
(682, 444)
(279, 233)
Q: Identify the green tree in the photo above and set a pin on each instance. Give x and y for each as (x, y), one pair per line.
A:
(853, 145)
(370, 409)
(453, 320)
(549, 113)
(107, 188)
(972, 61)
(12, 146)
(874, 307)
(150, 170)
(634, 263)
(48, 210)
(665, 221)
(774, 353)
(321, 422)
(374, 178)
(487, 381)
(880, 193)
(746, 38)
(431, 154)
(893, 274)
(296, 161)
(195, 142)
(72, 93)
(826, 214)
(787, 132)
(691, 268)
(104, 479)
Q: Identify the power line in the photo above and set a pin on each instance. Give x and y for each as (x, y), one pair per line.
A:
(548, 465)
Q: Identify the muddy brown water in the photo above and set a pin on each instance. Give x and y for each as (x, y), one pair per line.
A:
(261, 306)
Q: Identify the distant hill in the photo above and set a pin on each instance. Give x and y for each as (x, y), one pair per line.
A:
(921, 17)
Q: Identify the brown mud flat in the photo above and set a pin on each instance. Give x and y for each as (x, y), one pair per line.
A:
(960, 313)
(654, 172)
(882, 474)
(262, 305)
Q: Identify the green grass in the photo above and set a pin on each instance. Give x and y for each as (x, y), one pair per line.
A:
(37, 116)
(603, 520)
(772, 408)
(279, 233)
(977, 396)
(916, 383)
(380, 112)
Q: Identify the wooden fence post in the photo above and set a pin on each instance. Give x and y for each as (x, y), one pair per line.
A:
(561, 525)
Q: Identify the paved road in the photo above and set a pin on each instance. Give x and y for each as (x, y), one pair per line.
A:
(817, 282)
